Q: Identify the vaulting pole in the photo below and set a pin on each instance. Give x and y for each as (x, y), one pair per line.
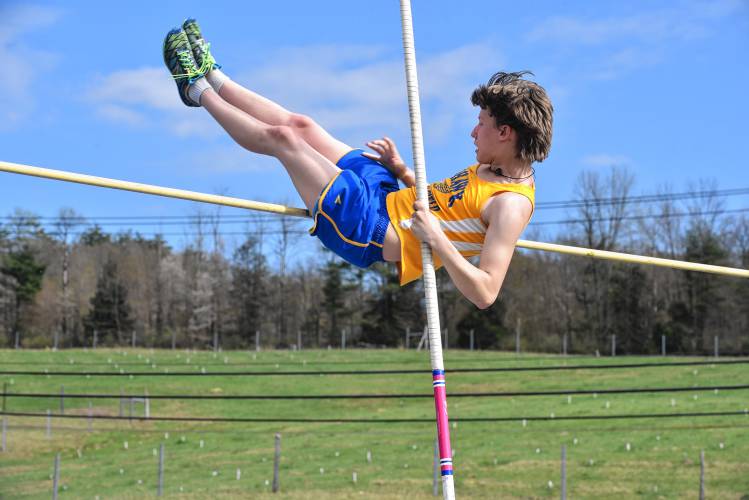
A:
(61, 175)
(430, 281)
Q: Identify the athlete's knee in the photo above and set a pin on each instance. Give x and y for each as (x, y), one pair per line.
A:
(283, 136)
(301, 122)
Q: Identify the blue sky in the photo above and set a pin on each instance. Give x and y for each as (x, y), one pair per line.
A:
(658, 87)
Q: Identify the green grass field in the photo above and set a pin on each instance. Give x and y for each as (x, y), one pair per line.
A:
(634, 458)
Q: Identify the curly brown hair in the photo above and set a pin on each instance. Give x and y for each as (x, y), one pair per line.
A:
(524, 106)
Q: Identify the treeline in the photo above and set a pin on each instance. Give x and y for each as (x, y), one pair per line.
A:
(71, 284)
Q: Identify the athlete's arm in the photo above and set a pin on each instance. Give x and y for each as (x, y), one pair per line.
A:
(388, 155)
(507, 215)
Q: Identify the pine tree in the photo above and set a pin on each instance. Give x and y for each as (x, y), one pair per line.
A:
(110, 312)
(249, 288)
(391, 308)
(334, 292)
(487, 325)
(26, 280)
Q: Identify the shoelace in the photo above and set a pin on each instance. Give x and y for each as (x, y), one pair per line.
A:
(188, 63)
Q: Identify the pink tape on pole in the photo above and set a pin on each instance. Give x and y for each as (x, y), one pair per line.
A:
(443, 427)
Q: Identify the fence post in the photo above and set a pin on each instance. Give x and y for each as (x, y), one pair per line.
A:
(57, 335)
(702, 474)
(408, 336)
(517, 336)
(436, 470)
(133, 338)
(471, 335)
(96, 338)
(146, 403)
(299, 339)
(18, 340)
(62, 400)
(160, 490)
(56, 477)
(564, 472)
(276, 462)
(257, 340)
(613, 345)
(122, 401)
(663, 345)
(343, 338)
(49, 423)
(717, 352)
(564, 344)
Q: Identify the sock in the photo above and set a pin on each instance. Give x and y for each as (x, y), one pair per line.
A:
(196, 89)
(216, 78)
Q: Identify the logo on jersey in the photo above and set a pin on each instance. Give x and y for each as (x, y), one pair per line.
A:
(455, 186)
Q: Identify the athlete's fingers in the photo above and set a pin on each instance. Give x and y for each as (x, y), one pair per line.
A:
(419, 206)
(371, 156)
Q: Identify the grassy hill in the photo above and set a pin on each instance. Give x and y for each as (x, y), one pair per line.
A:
(621, 458)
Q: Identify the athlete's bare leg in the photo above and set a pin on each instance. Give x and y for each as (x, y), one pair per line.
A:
(272, 113)
(310, 170)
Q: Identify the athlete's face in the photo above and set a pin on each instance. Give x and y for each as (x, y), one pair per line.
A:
(490, 141)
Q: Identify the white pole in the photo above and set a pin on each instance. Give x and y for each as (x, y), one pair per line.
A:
(90, 415)
(663, 345)
(564, 472)
(702, 474)
(430, 281)
(564, 344)
(160, 490)
(56, 477)
(276, 464)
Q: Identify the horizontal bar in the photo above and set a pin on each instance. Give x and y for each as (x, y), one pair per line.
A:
(91, 180)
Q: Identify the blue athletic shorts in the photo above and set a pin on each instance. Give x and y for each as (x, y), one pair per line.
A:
(351, 215)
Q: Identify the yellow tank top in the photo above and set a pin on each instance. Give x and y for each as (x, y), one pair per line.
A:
(457, 203)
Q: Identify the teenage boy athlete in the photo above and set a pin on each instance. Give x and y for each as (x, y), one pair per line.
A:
(358, 208)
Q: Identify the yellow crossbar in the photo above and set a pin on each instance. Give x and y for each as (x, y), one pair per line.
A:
(91, 180)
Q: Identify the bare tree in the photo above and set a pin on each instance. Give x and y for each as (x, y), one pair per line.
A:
(602, 204)
(67, 221)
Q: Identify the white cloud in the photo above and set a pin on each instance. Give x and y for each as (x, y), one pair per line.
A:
(115, 113)
(231, 159)
(625, 61)
(633, 42)
(23, 65)
(606, 160)
(684, 22)
(130, 97)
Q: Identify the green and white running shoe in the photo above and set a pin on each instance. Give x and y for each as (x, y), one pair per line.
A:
(181, 63)
(201, 50)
